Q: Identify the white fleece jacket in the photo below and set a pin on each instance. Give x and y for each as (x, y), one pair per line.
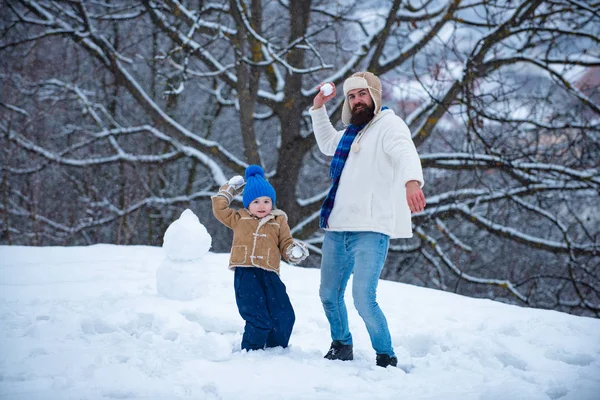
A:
(372, 194)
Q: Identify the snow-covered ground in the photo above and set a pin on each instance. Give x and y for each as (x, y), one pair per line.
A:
(88, 323)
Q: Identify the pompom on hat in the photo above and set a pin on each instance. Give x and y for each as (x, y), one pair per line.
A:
(361, 80)
(257, 185)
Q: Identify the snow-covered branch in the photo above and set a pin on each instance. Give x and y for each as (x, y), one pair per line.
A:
(461, 274)
(467, 160)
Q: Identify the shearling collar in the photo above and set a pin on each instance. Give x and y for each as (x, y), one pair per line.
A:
(274, 213)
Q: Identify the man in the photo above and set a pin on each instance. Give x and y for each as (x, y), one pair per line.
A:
(377, 180)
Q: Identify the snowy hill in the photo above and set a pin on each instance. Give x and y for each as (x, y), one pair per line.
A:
(88, 323)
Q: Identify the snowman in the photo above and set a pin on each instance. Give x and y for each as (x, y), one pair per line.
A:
(185, 243)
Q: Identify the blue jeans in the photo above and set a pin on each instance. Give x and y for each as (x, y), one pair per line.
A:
(364, 253)
(263, 303)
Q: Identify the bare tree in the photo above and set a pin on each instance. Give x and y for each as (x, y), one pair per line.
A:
(117, 114)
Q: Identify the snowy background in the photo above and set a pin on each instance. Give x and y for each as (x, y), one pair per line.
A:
(138, 322)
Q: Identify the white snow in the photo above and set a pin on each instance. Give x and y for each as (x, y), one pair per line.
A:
(327, 89)
(87, 323)
(181, 275)
(186, 239)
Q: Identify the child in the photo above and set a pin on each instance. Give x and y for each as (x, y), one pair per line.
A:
(261, 236)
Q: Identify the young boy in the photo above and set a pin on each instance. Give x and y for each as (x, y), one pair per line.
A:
(261, 236)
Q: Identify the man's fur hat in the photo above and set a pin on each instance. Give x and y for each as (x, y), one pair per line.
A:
(361, 80)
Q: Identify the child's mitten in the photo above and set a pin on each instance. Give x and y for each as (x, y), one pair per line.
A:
(297, 252)
(233, 188)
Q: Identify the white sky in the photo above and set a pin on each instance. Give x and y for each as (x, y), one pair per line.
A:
(88, 323)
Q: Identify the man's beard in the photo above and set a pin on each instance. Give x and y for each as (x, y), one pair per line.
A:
(362, 116)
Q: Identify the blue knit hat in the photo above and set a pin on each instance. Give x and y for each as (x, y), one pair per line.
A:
(257, 185)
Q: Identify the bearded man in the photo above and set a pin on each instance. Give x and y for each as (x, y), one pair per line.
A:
(377, 181)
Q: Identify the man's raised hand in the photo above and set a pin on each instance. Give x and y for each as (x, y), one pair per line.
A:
(326, 92)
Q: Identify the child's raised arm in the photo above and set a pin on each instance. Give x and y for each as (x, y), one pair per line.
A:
(221, 201)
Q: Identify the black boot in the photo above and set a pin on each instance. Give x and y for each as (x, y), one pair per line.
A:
(339, 351)
(383, 360)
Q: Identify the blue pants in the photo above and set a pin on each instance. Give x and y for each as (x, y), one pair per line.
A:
(363, 253)
(265, 306)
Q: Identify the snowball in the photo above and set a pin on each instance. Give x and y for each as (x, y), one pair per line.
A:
(236, 180)
(327, 89)
(296, 252)
(186, 238)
